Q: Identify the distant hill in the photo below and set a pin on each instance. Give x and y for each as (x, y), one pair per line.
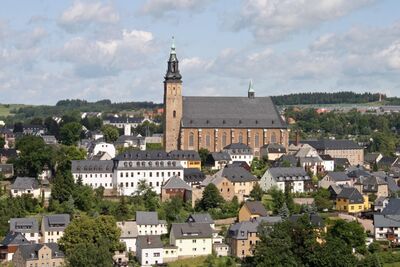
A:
(326, 98)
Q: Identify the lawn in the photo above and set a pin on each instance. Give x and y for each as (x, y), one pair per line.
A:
(196, 262)
(5, 110)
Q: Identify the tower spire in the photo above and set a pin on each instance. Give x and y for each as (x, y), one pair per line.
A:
(173, 46)
(251, 93)
(173, 65)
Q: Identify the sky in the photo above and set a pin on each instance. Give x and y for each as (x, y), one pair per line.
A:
(118, 49)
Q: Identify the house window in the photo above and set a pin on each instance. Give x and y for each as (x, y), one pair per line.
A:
(240, 138)
(273, 138)
(174, 114)
(257, 140)
(208, 140)
(191, 139)
(224, 140)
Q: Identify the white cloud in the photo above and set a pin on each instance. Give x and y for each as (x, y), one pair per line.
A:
(158, 8)
(91, 58)
(273, 20)
(83, 14)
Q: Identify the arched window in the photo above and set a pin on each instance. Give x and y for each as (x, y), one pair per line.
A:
(174, 114)
(208, 140)
(257, 141)
(273, 138)
(224, 140)
(191, 139)
(240, 138)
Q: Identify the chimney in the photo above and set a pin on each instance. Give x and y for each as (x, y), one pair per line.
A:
(297, 142)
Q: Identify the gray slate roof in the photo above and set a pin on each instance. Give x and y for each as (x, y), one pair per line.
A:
(29, 250)
(191, 230)
(236, 174)
(23, 183)
(289, 172)
(381, 220)
(200, 218)
(256, 207)
(288, 158)
(149, 241)
(128, 229)
(338, 176)
(332, 144)
(393, 207)
(14, 238)
(371, 157)
(315, 219)
(55, 222)
(144, 155)
(147, 218)
(176, 183)
(274, 148)
(240, 230)
(185, 155)
(370, 183)
(92, 166)
(6, 168)
(351, 194)
(24, 225)
(237, 146)
(230, 112)
(217, 156)
(193, 175)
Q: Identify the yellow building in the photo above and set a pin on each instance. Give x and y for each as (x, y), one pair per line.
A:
(251, 210)
(188, 158)
(351, 200)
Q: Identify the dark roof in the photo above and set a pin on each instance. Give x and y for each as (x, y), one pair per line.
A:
(147, 218)
(193, 175)
(200, 218)
(315, 219)
(237, 146)
(191, 230)
(357, 173)
(240, 230)
(217, 156)
(289, 172)
(149, 241)
(14, 238)
(6, 168)
(387, 161)
(256, 207)
(393, 207)
(289, 158)
(230, 112)
(341, 162)
(25, 183)
(24, 225)
(274, 148)
(351, 194)
(185, 155)
(144, 155)
(381, 220)
(92, 166)
(370, 183)
(237, 174)
(30, 251)
(176, 182)
(124, 119)
(338, 176)
(392, 185)
(326, 157)
(8, 152)
(56, 222)
(332, 144)
(371, 157)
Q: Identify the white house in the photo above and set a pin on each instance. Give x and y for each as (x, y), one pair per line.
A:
(95, 173)
(192, 239)
(335, 178)
(99, 147)
(293, 178)
(53, 227)
(25, 185)
(148, 223)
(129, 234)
(28, 227)
(328, 162)
(387, 227)
(149, 250)
(239, 152)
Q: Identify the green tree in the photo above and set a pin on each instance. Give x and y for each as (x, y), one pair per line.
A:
(211, 198)
(284, 211)
(110, 133)
(70, 133)
(322, 199)
(352, 233)
(203, 153)
(257, 192)
(2, 142)
(63, 186)
(90, 254)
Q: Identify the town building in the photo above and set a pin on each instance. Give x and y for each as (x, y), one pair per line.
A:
(372, 184)
(351, 200)
(188, 158)
(251, 210)
(218, 160)
(201, 218)
(148, 223)
(10, 244)
(28, 227)
(38, 255)
(192, 239)
(101, 147)
(122, 122)
(150, 250)
(129, 234)
(176, 187)
(335, 178)
(193, 176)
(30, 129)
(49, 139)
(6, 154)
(7, 170)
(328, 163)
(272, 151)
(132, 141)
(294, 179)
(215, 122)
(53, 227)
(94, 173)
(25, 185)
(239, 152)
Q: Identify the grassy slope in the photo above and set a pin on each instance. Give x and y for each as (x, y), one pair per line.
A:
(5, 110)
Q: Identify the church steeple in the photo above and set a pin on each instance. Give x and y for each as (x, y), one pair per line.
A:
(251, 93)
(173, 65)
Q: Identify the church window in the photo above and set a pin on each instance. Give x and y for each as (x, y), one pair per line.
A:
(191, 139)
(208, 140)
(240, 138)
(174, 113)
(224, 140)
(257, 141)
(273, 138)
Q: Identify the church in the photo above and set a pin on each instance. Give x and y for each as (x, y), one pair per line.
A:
(194, 122)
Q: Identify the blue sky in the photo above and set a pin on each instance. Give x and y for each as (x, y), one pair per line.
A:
(52, 50)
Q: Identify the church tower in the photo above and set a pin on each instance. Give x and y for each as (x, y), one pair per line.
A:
(172, 102)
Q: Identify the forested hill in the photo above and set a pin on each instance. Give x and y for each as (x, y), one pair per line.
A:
(325, 98)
